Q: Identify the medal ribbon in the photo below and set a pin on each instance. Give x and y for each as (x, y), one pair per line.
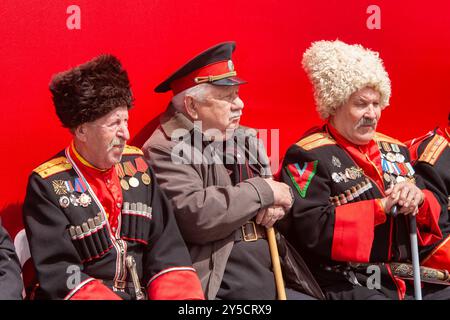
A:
(119, 170)
(141, 165)
(129, 169)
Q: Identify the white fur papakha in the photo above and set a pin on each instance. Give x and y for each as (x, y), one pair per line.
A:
(337, 70)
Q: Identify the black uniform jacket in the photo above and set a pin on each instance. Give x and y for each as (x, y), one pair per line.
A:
(77, 255)
(431, 158)
(337, 221)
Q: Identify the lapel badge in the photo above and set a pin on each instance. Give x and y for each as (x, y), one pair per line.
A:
(64, 202)
(335, 161)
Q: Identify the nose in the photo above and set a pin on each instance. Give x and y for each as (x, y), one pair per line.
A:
(370, 113)
(238, 104)
(123, 132)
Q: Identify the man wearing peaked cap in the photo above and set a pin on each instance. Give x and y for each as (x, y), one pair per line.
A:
(346, 178)
(217, 177)
(97, 223)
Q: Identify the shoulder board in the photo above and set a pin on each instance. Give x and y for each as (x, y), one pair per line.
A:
(129, 150)
(383, 137)
(434, 149)
(52, 167)
(316, 140)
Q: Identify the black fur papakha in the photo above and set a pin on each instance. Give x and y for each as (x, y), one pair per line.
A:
(90, 90)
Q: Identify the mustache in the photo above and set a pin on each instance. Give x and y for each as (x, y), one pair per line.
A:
(367, 122)
(235, 114)
(116, 142)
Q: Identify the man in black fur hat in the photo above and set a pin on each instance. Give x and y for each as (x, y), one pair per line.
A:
(97, 223)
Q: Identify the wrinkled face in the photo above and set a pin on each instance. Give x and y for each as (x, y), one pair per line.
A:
(357, 119)
(103, 140)
(220, 110)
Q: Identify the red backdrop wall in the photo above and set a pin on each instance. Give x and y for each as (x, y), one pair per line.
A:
(152, 38)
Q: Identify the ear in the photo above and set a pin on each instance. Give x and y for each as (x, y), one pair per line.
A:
(189, 106)
(80, 132)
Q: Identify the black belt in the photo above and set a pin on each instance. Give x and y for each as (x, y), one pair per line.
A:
(249, 232)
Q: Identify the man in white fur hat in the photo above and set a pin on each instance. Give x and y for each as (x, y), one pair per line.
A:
(347, 177)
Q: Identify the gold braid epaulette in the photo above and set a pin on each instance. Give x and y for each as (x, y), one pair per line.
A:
(52, 167)
(129, 150)
(434, 149)
(383, 137)
(316, 140)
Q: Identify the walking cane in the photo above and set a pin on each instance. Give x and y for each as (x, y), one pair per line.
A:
(281, 292)
(414, 252)
(415, 257)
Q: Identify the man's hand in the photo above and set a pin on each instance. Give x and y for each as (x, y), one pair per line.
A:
(282, 194)
(406, 195)
(268, 216)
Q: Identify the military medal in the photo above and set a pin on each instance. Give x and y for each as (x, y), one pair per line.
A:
(350, 174)
(386, 146)
(142, 166)
(387, 177)
(336, 162)
(390, 156)
(124, 184)
(399, 157)
(80, 185)
(64, 201)
(84, 200)
(395, 147)
(59, 187)
(133, 182)
(120, 172)
(410, 169)
(400, 179)
(74, 200)
(336, 178)
(130, 170)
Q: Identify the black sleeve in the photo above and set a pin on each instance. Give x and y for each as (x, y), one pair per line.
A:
(11, 284)
(312, 215)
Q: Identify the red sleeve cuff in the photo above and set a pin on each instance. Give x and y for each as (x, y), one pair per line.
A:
(181, 283)
(428, 220)
(92, 289)
(354, 230)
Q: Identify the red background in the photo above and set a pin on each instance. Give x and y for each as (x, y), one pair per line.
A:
(152, 38)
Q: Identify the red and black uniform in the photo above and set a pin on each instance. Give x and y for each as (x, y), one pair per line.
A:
(338, 221)
(82, 223)
(431, 159)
